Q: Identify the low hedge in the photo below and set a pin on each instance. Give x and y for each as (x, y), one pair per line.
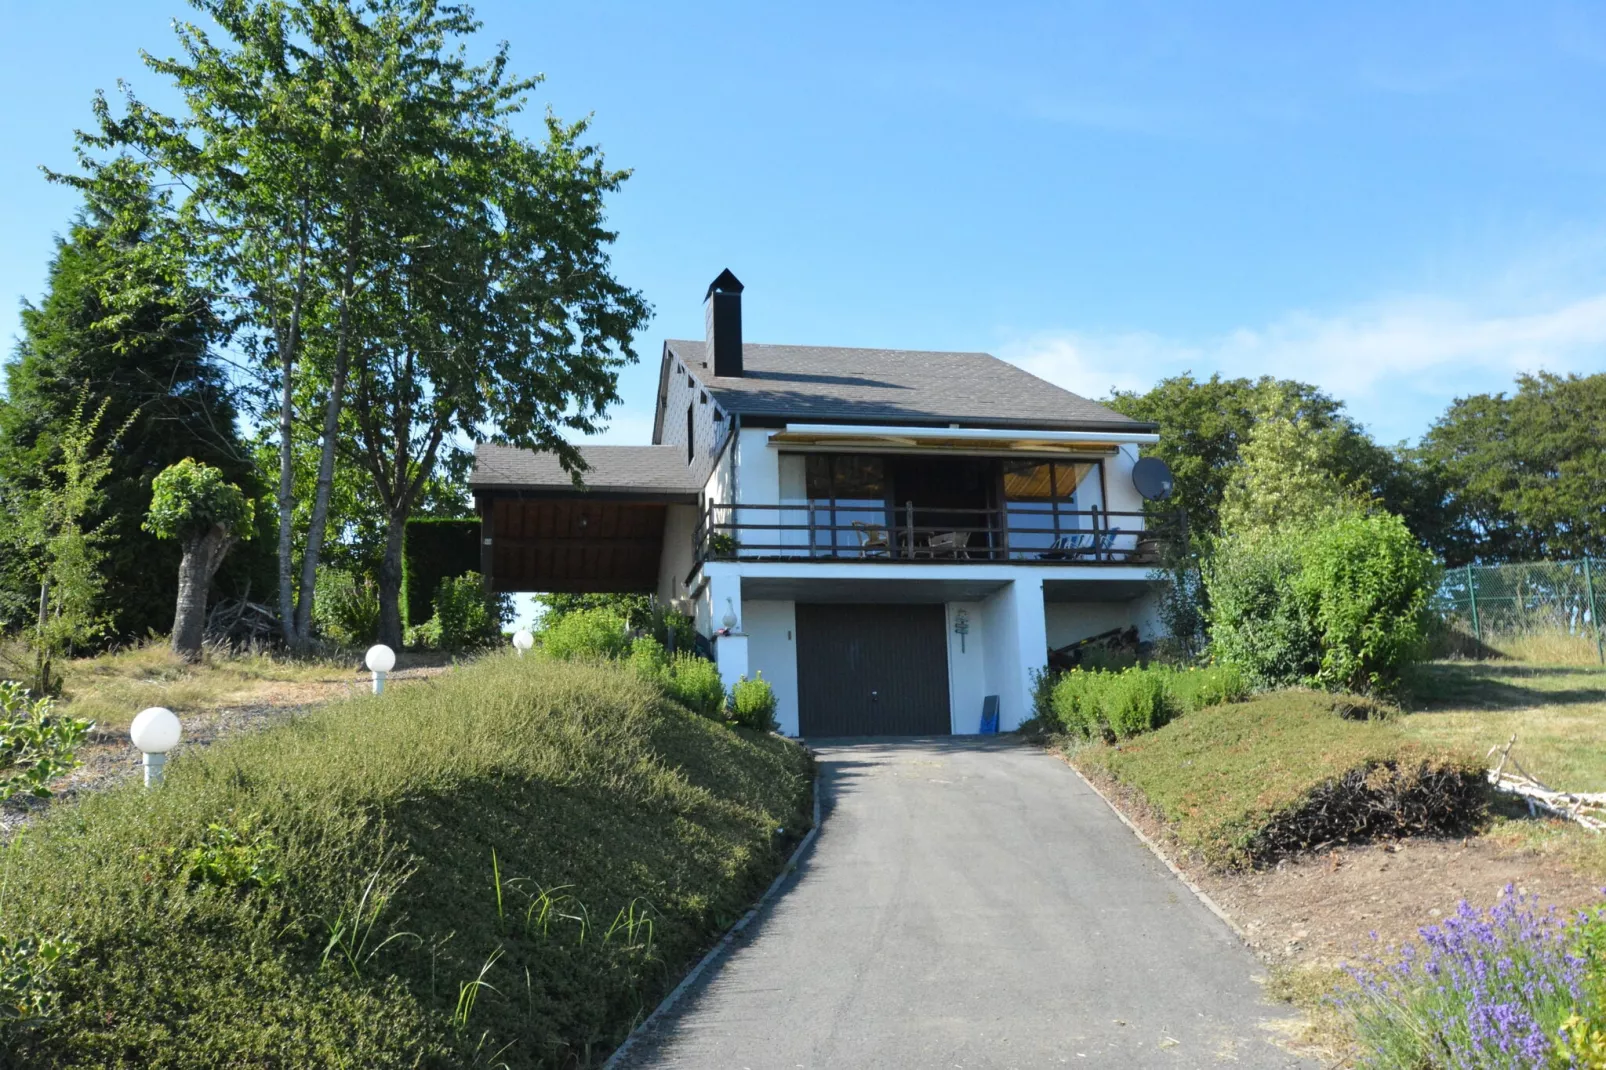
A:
(327, 892)
(1118, 705)
(1288, 772)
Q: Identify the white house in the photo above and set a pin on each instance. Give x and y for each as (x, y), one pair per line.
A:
(889, 536)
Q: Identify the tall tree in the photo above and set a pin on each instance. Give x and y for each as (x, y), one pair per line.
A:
(1526, 473)
(499, 309)
(285, 152)
(122, 319)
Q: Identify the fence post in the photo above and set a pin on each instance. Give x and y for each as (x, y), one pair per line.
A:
(1594, 610)
(1472, 597)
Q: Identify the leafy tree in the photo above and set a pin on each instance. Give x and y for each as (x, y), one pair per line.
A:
(358, 191)
(50, 528)
(1285, 478)
(1525, 474)
(192, 503)
(498, 309)
(288, 146)
(121, 318)
(1205, 424)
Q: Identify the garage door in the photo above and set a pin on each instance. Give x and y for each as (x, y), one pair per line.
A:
(872, 670)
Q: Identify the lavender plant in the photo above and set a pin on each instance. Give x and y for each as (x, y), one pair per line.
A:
(1488, 990)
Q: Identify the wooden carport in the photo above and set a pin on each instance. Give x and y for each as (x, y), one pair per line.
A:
(539, 532)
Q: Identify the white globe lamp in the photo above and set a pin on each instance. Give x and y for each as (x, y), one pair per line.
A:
(155, 732)
(522, 641)
(380, 659)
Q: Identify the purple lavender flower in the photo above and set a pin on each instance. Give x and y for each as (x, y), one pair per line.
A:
(1489, 990)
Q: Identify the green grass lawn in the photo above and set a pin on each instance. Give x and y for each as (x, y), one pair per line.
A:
(1234, 780)
(504, 865)
(1557, 713)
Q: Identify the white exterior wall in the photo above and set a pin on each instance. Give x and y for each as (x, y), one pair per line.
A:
(1016, 647)
(772, 650)
(1070, 621)
(967, 672)
(675, 560)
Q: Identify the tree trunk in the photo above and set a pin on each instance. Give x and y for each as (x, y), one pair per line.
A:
(194, 582)
(287, 508)
(390, 582)
(41, 666)
(326, 459)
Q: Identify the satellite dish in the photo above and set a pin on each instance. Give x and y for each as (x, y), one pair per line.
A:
(1153, 479)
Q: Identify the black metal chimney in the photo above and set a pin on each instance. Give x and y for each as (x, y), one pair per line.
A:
(722, 319)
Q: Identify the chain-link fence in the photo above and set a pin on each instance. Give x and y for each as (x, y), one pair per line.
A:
(1535, 611)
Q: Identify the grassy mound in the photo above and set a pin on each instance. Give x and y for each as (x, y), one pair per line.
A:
(503, 866)
(1289, 771)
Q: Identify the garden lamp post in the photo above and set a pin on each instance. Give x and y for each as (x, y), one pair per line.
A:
(380, 660)
(522, 641)
(155, 732)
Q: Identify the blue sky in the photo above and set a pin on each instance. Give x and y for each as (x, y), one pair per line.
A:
(1401, 206)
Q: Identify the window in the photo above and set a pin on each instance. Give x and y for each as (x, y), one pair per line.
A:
(844, 490)
(691, 434)
(1049, 500)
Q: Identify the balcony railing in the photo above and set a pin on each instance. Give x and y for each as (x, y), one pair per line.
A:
(1025, 533)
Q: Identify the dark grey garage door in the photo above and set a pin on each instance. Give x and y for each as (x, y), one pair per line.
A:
(872, 670)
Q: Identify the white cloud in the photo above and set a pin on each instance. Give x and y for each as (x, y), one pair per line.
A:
(1396, 364)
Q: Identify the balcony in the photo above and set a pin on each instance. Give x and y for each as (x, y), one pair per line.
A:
(1036, 533)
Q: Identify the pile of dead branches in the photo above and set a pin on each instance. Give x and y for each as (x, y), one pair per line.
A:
(239, 622)
(1586, 808)
(1386, 800)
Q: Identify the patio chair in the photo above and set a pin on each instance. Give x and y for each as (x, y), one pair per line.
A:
(872, 538)
(947, 544)
(1068, 546)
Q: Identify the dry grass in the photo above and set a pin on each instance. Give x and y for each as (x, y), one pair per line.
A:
(112, 688)
(1557, 713)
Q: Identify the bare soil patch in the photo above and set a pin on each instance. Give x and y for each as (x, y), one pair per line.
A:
(1321, 910)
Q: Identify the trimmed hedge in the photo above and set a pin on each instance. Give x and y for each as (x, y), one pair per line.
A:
(435, 549)
(1286, 772)
(1118, 705)
(324, 892)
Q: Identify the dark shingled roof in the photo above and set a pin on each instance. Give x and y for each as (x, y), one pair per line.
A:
(825, 383)
(662, 469)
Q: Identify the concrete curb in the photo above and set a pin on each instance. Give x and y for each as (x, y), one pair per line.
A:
(1198, 892)
(616, 1060)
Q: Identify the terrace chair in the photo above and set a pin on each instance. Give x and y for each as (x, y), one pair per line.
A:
(872, 538)
(1067, 546)
(948, 544)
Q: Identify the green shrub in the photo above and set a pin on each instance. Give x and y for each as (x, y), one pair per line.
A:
(694, 682)
(37, 744)
(1256, 622)
(1118, 705)
(1365, 584)
(586, 633)
(422, 834)
(345, 609)
(1137, 701)
(647, 657)
(1342, 606)
(467, 616)
(753, 703)
(1197, 688)
(27, 996)
(230, 856)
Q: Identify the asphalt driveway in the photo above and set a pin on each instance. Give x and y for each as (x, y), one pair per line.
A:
(971, 903)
